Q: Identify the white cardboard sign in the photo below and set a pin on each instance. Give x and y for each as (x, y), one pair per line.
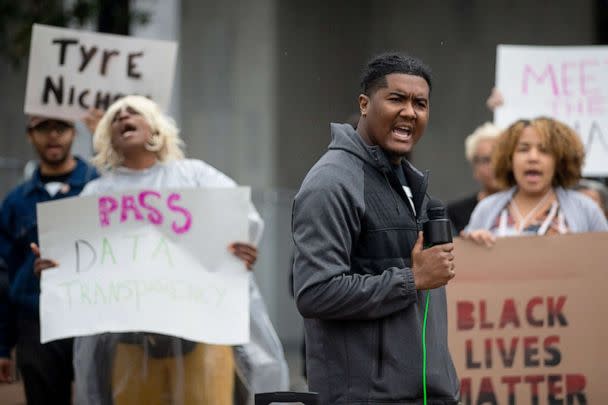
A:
(70, 71)
(146, 260)
(567, 83)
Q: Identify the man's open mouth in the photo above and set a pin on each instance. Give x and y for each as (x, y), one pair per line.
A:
(403, 131)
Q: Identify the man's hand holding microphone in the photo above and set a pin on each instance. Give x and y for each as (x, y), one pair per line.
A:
(433, 254)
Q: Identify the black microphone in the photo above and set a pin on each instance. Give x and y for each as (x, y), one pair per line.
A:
(438, 229)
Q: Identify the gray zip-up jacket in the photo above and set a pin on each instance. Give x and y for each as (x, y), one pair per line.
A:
(354, 230)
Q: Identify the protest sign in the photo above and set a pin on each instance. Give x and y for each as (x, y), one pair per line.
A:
(526, 320)
(146, 260)
(566, 83)
(70, 71)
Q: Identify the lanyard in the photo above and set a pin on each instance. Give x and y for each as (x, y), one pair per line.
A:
(503, 229)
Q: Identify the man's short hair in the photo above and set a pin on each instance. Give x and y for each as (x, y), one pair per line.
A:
(374, 74)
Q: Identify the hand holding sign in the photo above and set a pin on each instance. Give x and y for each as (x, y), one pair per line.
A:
(41, 264)
(246, 252)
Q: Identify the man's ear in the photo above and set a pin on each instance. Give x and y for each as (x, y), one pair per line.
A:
(363, 104)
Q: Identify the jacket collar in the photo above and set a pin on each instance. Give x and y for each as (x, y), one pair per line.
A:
(344, 137)
(81, 174)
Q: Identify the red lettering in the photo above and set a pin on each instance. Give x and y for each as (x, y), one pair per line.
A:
(575, 383)
(106, 206)
(549, 72)
(507, 358)
(551, 346)
(154, 215)
(566, 78)
(181, 210)
(555, 311)
(488, 352)
(552, 386)
(531, 350)
(464, 310)
(128, 205)
(486, 392)
(530, 312)
(509, 314)
(483, 323)
(534, 380)
(511, 382)
(586, 78)
(465, 391)
(469, 355)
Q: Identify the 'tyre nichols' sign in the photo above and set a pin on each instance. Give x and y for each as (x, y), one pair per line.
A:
(71, 71)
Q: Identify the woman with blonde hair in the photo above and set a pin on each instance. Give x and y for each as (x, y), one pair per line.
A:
(478, 151)
(137, 146)
(538, 161)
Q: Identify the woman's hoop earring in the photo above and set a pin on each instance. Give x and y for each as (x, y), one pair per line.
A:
(155, 143)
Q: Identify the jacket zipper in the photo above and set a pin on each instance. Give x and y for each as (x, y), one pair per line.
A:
(393, 192)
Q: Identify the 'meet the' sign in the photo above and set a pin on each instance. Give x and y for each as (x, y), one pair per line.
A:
(564, 82)
(71, 71)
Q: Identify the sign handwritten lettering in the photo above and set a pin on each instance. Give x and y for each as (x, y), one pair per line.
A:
(566, 83)
(522, 328)
(146, 260)
(71, 71)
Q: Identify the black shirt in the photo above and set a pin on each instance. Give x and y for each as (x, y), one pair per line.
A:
(460, 212)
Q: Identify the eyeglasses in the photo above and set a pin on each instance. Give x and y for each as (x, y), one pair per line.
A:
(49, 126)
(482, 160)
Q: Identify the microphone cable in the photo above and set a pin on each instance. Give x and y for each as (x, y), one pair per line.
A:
(437, 231)
(426, 315)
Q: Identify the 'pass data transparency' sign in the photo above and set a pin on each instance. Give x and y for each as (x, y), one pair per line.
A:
(71, 71)
(146, 260)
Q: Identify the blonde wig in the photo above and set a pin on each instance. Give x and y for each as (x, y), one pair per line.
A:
(481, 133)
(165, 139)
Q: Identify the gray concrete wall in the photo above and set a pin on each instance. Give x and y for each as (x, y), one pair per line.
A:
(15, 149)
(228, 83)
(325, 44)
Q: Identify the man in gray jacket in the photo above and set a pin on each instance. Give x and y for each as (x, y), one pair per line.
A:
(361, 275)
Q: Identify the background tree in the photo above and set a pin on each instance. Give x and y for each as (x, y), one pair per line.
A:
(17, 18)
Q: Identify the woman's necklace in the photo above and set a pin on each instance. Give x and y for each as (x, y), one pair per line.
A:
(524, 220)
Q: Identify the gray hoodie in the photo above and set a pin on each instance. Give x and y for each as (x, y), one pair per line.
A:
(354, 230)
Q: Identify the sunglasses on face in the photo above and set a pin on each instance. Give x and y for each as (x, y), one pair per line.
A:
(49, 126)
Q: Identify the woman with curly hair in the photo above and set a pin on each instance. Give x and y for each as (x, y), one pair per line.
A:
(538, 161)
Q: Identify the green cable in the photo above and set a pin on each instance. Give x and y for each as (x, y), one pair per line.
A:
(426, 313)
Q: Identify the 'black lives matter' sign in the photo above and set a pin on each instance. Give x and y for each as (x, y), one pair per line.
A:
(71, 71)
(526, 323)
